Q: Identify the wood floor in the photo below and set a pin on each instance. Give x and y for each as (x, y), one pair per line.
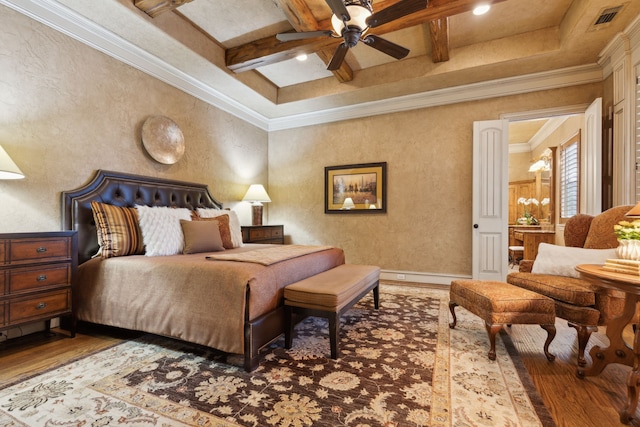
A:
(591, 402)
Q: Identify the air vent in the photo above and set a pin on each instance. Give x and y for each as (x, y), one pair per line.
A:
(605, 17)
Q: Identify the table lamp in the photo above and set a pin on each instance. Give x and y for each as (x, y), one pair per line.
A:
(257, 195)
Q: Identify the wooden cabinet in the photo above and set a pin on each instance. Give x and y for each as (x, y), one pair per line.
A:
(531, 239)
(263, 234)
(518, 189)
(37, 274)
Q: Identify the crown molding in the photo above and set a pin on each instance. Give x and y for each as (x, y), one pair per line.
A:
(555, 79)
(66, 21)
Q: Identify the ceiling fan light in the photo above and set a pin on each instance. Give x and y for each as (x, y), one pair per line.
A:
(359, 15)
(481, 9)
(302, 57)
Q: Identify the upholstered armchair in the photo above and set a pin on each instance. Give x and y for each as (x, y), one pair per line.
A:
(582, 304)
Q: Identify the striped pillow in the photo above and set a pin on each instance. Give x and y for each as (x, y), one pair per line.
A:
(118, 230)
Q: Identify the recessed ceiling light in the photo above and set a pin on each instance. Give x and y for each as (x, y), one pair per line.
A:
(301, 57)
(482, 9)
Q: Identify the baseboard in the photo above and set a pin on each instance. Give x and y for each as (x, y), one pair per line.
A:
(420, 277)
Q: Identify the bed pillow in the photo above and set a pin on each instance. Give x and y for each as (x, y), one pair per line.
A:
(118, 230)
(223, 227)
(234, 223)
(562, 260)
(201, 236)
(161, 229)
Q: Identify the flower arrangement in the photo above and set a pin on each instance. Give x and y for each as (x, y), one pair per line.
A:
(626, 230)
(528, 217)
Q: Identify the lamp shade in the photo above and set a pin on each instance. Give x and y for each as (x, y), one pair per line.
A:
(256, 193)
(8, 169)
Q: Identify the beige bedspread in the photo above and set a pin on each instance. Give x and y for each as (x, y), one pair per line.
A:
(269, 255)
(188, 296)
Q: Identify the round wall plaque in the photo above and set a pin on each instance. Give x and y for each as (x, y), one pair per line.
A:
(163, 139)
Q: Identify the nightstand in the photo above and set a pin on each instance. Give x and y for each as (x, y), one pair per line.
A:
(37, 274)
(263, 234)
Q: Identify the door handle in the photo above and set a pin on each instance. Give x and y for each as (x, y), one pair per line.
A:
(475, 226)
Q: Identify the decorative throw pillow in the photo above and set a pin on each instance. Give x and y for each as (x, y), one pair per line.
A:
(161, 229)
(562, 260)
(201, 236)
(223, 227)
(234, 223)
(118, 230)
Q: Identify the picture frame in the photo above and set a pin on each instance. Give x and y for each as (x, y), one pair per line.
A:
(360, 188)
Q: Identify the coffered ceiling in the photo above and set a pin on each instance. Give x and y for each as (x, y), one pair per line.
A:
(227, 50)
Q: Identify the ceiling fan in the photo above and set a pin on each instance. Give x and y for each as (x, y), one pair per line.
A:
(351, 21)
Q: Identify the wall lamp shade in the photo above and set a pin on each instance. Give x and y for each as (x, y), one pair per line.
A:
(257, 195)
(634, 212)
(8, 169)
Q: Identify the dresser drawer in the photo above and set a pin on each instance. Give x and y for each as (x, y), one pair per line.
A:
(259, 234)
(43, 249)
(3, 320)
(38, 306)
(33, 278)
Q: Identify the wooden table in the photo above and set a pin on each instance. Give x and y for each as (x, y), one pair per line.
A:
(618, 351)
(531, 239)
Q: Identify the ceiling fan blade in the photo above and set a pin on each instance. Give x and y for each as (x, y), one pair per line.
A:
(395, 11)
(385, 46)
(285, 37)
(339, 9)
(338, 57)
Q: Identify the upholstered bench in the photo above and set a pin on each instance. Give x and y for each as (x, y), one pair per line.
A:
(330, 294)
(499, 303)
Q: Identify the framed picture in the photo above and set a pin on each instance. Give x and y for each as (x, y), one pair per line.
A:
(355, 188)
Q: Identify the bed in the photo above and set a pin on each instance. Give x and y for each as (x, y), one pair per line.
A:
(233, 303)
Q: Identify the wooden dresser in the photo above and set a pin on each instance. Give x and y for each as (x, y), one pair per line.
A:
(263, 234)
(37, 274)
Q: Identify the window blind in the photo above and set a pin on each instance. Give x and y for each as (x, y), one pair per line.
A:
(569, 178)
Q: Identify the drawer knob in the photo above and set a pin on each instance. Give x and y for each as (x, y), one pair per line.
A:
(41, 250)
(41, 277)
(41, 305)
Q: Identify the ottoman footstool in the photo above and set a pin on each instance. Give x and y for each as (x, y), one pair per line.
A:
(499, 304)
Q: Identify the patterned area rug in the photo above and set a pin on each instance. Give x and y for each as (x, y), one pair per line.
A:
(399, 366)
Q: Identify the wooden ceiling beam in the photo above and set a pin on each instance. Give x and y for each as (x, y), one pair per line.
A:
(270, 50)
(154, 8)
(439, 31)
(302, 19)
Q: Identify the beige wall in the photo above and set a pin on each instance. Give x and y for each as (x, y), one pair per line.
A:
(427, 227)
(67, 110)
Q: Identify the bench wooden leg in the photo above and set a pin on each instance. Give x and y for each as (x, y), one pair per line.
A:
(376, 296)
(492, 330)
(334, 326)
(452, 306)
(288, 327)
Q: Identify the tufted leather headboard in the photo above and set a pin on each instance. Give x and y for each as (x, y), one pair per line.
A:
(121, 189)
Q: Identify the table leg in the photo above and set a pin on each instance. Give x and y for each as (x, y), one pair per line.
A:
(618, 351)
(633, 379)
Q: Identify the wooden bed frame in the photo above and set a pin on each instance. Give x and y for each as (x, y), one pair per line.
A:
(122, 189)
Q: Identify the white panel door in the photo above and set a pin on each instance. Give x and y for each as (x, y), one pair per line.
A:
(490, 200)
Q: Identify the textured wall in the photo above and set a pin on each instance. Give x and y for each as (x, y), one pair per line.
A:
(67, 110)
(427, 227)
